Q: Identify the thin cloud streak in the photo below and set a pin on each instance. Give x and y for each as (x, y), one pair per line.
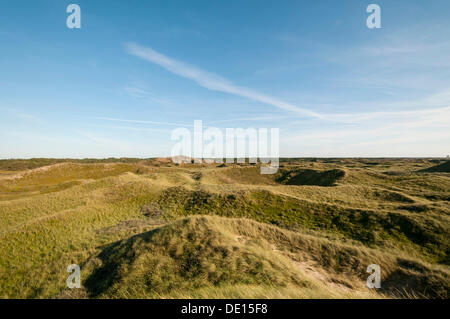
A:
(359, 117)
(146, 122)
(140, 121)
(215, 82)
(211, 81)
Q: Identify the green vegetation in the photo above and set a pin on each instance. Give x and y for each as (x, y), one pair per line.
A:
(310, 177)
(444, 167)
(152, 229)
(22, 164)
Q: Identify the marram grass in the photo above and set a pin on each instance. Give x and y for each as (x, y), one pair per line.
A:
(150, 229)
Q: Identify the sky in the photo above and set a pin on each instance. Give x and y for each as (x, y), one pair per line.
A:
(137, 70)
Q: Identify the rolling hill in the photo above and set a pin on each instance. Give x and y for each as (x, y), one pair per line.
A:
(154, 229)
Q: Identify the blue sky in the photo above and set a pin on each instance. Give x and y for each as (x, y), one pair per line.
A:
(138, 69)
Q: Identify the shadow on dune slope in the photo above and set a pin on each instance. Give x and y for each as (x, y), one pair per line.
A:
(210, 252)
(310, 177)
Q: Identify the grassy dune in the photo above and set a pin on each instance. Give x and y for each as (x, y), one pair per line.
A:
(153, 229)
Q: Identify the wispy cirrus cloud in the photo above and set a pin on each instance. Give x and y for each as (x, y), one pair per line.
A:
(253, 119)
(212, 81)
(437, 114)
(137, 92)
(24, 116)
(215, 82)
(144, 94)
(111, 119)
